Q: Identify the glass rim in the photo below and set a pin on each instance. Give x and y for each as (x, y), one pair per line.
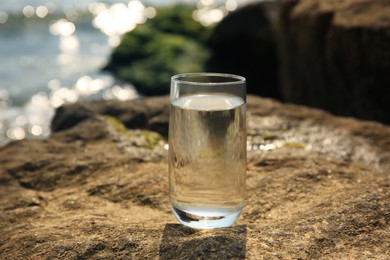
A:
(234, 79)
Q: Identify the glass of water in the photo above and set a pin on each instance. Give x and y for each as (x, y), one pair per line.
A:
(207, 148)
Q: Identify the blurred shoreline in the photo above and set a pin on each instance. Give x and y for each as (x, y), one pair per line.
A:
(52, 54)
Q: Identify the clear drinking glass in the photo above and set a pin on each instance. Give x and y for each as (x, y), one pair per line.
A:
(207, 148)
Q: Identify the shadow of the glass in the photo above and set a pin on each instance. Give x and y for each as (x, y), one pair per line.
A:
(180, 242)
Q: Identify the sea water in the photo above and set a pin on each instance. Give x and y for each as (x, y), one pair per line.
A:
(207, 159)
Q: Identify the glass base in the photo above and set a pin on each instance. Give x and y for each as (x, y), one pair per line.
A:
(206, 218)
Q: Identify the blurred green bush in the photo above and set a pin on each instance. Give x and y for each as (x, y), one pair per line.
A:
(171, 43)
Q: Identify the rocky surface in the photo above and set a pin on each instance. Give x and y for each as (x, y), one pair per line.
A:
(335, 55)
(317, 187)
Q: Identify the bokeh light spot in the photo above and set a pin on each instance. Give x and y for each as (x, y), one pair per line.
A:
(54, 84)
(72, 15)
(36, 130)
(96, 8)
(206, 2)
(16, 133)
(150, 12)
(208, 16)
(62, 27)
(69, 44)
(114, 41)
(3, 17)
(42, 11)
(29, 11)
(21, 120)
(119, 18)
(124, 93)
(231, 5)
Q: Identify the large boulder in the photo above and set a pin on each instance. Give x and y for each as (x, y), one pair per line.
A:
(317, 187)
(335, 55)
(244, 43)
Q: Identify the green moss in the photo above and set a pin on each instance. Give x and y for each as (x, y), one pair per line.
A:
(116, 124)
(152, 138)
(269, 136)
(140, 138)
(294, 145)
(169, 44)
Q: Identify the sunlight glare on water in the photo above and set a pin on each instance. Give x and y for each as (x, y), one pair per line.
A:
(119, 18)
(28, 11)
(62, 27)
(78, 36)
(42, 11)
